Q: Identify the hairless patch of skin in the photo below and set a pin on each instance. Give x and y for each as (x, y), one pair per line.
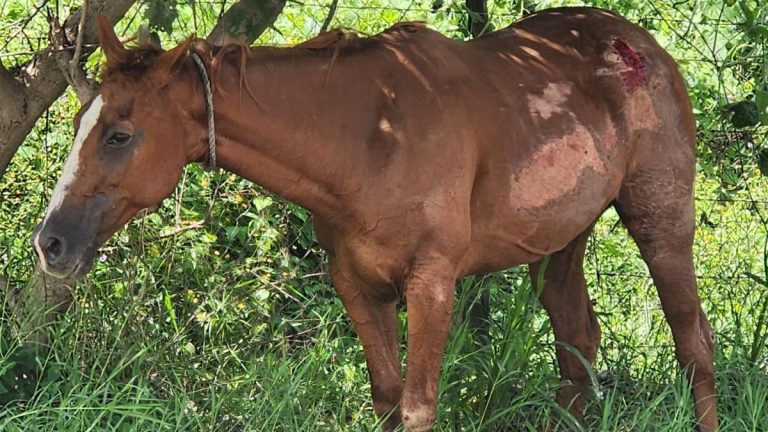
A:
(385, 125)
(631, 68)
(386, 128)
(544, 179)
(532, 52)
(418, 419)
(609, 135)
(640, 112)
(511, 57)
(388, 92)
(550, 101)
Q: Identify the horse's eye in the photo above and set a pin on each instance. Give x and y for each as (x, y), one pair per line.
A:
(118, 139)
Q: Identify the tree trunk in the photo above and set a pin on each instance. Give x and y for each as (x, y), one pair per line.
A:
(245, 21)
(478, 17)
(37, 305)
(479, 312)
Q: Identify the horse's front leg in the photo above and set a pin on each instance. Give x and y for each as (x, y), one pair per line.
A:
(376, 325)
(429, 290)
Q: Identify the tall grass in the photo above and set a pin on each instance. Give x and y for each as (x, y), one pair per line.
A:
(103, 373)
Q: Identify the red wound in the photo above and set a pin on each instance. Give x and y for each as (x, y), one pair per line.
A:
(638, 74)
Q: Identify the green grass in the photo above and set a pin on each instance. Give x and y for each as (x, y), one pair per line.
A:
(111, 368)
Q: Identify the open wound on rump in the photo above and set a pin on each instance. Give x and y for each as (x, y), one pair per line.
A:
(637, 74)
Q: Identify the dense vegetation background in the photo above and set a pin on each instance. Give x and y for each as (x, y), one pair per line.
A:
(215, 312)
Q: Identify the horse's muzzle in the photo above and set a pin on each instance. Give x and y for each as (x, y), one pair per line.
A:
(64, 248)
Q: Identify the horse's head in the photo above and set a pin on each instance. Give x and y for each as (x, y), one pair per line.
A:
(132, 141)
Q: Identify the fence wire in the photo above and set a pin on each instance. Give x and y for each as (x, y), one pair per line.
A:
(732, 205)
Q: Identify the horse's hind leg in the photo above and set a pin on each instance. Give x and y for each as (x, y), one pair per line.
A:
(567, 302)
(656, 205)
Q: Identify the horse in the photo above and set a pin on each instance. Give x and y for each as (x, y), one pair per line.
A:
(422, 160)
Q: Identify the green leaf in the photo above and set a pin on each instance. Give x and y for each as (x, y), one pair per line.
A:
(262, 202)
(189, 348)
(161, 14)
(171, 311)
(749, 14)
(761, 101)
(758, 33)
(744, 113)
(15, 12)
(762, 161)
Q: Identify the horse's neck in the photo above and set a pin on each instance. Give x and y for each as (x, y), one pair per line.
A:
(278, 128)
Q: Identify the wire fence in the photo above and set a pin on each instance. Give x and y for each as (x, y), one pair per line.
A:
(732, 205)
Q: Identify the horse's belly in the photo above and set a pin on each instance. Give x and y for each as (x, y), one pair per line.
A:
(539, 219)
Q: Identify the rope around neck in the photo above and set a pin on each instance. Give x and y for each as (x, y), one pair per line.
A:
(211, 165)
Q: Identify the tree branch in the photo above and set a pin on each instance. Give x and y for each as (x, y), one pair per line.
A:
(7, 81)
(84, 87)
(329, 17)
(245, 21)
(79, 43)
(69, 63)
(11, 93)
(478, 17)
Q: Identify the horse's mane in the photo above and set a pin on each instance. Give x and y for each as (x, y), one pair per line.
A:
(334, 43)
(333, 38)
(139, 58)
(137, 61)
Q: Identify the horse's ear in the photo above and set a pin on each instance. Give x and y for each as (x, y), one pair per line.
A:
(167, 63)
(110, 44)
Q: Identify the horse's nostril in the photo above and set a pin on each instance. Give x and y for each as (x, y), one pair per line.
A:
(53, 248)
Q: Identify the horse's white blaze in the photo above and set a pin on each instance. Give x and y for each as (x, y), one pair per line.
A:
(87, 123)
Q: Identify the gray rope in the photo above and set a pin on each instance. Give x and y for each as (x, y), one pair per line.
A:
(208, 110)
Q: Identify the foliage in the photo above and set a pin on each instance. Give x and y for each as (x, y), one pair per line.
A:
(215, 313)
(160, 14)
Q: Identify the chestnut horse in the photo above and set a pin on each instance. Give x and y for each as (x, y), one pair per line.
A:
(422, 159)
